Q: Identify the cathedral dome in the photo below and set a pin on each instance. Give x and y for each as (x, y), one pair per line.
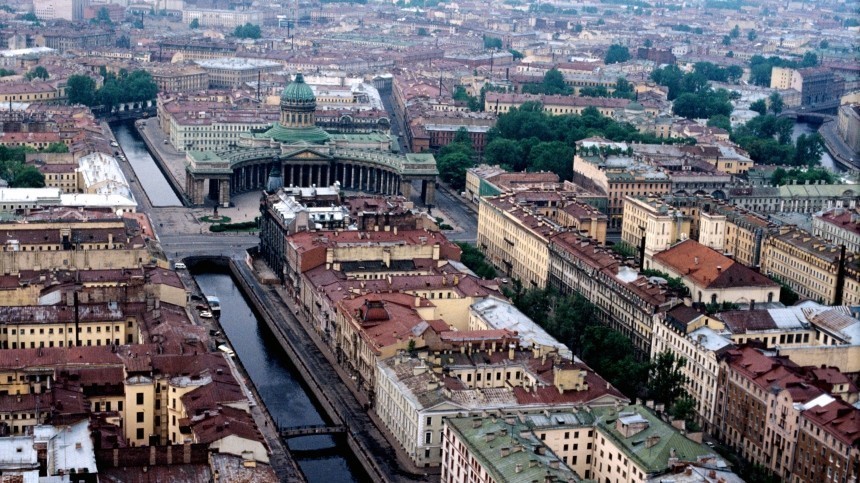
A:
(297, 92)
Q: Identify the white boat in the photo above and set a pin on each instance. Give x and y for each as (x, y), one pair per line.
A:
(227, 350)
(214, 303)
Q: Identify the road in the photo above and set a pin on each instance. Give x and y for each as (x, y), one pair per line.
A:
(840, 152)
(186, 245)
(454, 207)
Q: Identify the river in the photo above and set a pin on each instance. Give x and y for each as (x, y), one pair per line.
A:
(323, 459)
(826, 160)
(151, 178)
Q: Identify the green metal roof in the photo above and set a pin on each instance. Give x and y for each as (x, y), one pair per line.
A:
(298, 92)
(653, 456)
(291, 135)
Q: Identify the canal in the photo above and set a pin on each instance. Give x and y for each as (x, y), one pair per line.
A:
(151, 178)
(826, 159)
(323, 459)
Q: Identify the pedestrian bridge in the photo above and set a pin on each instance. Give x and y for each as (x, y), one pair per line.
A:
(310, 430)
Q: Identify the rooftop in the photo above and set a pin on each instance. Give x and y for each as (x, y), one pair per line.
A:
(709, 268)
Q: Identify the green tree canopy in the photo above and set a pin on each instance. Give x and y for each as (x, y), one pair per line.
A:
(703, 104)
(195, 23)
(666, 378)
(506, 153)
(759, 106)
(616, 54)
(775, 102)
(81, 89)
(553, 156)
(38, 72)
(247, 31)
(492, 42)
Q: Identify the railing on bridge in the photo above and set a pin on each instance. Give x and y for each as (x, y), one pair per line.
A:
(310, 430)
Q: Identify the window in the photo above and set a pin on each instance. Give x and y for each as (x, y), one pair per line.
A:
(140, 416)
(139, 398)
(428, 437)
(139, 433)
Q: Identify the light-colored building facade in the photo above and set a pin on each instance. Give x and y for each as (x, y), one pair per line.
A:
(711, 277)
(226, 19)
(839, 227)
(809, 265)
(231, 72)
(660, 224)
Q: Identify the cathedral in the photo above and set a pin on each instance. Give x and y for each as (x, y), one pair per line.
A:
(299, 153)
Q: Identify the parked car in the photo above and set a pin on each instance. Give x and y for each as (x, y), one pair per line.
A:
(206, 314)
(179, 266)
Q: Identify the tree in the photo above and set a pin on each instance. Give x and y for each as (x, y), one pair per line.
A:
(103, 16)
(27, 176)
(81, 89)
(554, 156)
(38, 72)
(684, 408)
(610, 354)
(727, 40)
(29, 17)
(666, 378)
(492, 42)
(751, 35)
(56, 148)
(506, 153)
(195, 23)
(516, 54)
(759, 106)
(616, 54)
(423, 32)
(648, 43)
(247, 31)
(702, 105)
(6, 72)
(776, 103)
(553, 82)
(810, 59)
(475, 260)
(808, 150)
(782, 177)
(824, 44)
(736, 32)
(720, 121)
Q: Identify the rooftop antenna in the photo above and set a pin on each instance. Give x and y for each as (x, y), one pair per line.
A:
(259, 80)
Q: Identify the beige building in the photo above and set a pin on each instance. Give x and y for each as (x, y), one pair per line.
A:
(514, 238)
(501, 103)
(660, 224)
(226, 19)
(625, 300)
(177, 78)
(809, 265)
(700, 340)
(840, 227)
(486, 371)
(232, 72)
(712, 277)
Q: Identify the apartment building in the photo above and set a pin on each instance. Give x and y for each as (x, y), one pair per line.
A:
(104, 241)
(30, 91)
(700, 340)
(761, 401)
(472, 373)
(616, 176)
(232, 72)
(826, 448)
(795, 198)
(812, 267)
(514, 235)
(711, 277)
(178, 78)
(479, 450)
(615, 444)
(501, 103)
(485, 180)
(625, 300)
(226, 19)
(839, 227)
(660, 224)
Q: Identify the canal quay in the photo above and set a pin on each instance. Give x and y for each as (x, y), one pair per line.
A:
(299, 388)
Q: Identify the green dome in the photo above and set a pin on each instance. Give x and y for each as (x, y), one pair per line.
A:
(298, 92)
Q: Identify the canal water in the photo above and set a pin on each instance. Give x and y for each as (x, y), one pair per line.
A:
(826, 159)
(150, 177)
(323, 459)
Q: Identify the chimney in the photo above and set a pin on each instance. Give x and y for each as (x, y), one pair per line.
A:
(511, 351)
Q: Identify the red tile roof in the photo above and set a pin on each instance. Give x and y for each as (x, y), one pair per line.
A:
(709, 268)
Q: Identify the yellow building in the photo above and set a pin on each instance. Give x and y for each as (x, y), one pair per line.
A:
(65, 326)
(712, 277)
(660, 224)
(514, 238)
(809, 265)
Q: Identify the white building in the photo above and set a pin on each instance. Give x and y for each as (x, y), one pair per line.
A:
(493, 313)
